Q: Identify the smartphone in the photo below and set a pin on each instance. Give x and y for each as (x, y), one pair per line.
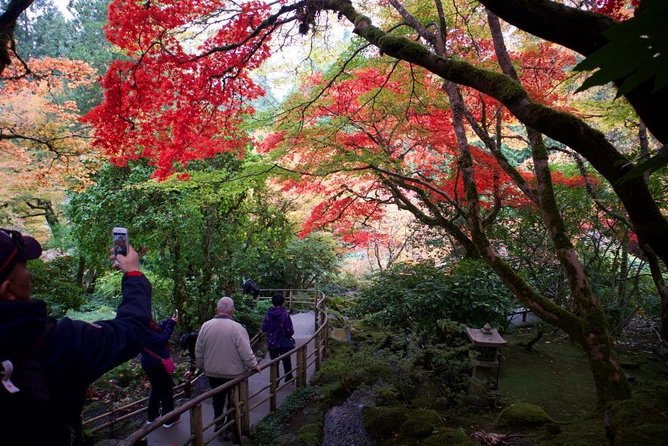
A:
(120, 240)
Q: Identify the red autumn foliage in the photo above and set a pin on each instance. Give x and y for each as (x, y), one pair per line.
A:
(184, 90)
(360, 136)
(617, 9)
(182, 93)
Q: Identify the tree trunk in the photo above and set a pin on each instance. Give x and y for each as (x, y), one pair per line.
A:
(610, 380)
(661, 286)
(589, 326)
(179, 294)
(587, 323)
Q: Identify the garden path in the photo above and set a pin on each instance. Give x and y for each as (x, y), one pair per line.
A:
(303, 324)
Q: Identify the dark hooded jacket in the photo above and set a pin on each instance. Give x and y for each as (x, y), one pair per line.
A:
(156, 342)
(277, 324)
(72, 355)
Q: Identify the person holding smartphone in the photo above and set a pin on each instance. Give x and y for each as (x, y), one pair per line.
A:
(67, 355)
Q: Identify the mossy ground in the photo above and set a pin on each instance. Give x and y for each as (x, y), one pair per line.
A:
(554, 376)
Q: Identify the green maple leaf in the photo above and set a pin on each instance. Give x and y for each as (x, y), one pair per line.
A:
(636, 52)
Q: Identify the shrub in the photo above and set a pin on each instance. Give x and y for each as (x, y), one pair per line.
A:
(523, 414)
(353, 368)
(450, 437)
(310, 434)
(55, 283)
(384, 422)
(421, 423)
(267, 431)
(413, 296)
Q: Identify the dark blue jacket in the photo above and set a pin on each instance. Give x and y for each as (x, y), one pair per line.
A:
(277, 324)
(157, 343)
(74, 353)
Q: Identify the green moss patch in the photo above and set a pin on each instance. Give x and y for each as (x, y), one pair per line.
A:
(447, 436)
(585, 432)
(384, 422)
(555, 376)
(523, 414)
(641, 420)
(421, 423)
(310, 434)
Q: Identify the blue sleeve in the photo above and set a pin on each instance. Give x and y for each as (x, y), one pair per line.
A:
(287, 325)
(167, 330)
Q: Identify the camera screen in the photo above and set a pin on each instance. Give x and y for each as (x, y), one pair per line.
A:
(120, 243)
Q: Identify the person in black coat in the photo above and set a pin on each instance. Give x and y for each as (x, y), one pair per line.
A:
(69, 354)
(188, 341)
(155, 349)
(252, 288)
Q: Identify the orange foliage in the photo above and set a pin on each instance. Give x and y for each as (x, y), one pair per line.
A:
(42, 145)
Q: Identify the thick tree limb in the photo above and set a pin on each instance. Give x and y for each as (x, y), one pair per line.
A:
(7, 26)
(581, 31)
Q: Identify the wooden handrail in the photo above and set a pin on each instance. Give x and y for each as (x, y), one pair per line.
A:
(239, 385)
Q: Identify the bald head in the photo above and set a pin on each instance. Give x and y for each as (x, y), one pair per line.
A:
(225, 306)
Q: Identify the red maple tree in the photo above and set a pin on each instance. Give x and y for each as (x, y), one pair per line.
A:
(183, 90)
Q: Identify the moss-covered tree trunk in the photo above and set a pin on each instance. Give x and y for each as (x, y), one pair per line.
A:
(594, 337)
(588, 325)
(662, 287)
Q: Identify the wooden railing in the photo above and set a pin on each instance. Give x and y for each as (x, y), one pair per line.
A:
(239, 389)
(117, 415)
(294, 299)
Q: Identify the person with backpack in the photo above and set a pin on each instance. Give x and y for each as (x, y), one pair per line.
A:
(187, 342)
(46, 365)
(278, 327)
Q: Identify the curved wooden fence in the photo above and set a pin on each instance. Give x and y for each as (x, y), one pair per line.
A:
(241, 396)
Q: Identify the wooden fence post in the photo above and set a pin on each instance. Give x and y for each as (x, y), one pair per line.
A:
(196, 425)
(325, 335)
(273, 387)
(301, 366)
(242, 409)
(316, 345)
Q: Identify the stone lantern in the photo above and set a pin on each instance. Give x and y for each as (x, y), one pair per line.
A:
(485, 354)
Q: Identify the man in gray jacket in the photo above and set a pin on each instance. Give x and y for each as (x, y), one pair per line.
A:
(224, 352)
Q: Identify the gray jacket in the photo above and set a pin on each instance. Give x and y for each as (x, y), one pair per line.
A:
(223, 349)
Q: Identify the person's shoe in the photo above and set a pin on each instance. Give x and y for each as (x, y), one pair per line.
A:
(289, 379)
(226, 436)
(168, 425)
